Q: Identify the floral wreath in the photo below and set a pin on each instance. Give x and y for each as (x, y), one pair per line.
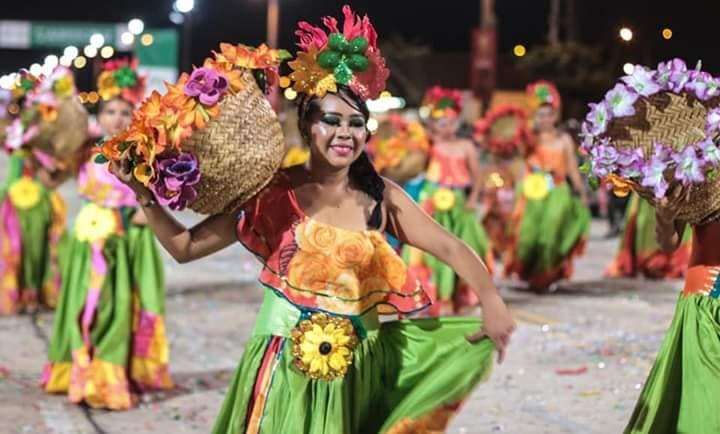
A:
(154, 138)
(119, 78)
(404, 137)
(625, 168)
(504, 130)
(543, 92)
(38, 99)
(441, 102)
(350, 57)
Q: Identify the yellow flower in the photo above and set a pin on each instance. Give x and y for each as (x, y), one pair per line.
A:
(24, 193)
(323, 346)
(296, 156)
(95, 223)
(443, 199)
(309, 77)
(64, 86)
(107, 86)
(536, 186)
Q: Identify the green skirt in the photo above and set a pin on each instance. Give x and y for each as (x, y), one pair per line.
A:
(108, 340)
(438, 278)
(639, 251)
(548, 233)
(406, 376)
(681, 391)
(32, 241)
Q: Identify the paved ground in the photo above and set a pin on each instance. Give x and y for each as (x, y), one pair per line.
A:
(576, 363)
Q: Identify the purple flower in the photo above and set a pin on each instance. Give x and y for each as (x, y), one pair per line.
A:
(604, 159)
(176, 176)
(5, 99)
(653, 171)
(712, 126)
(703, 85)
(17, 135)
(689, 166)
(642, 81)
(597, 119)
(630, 162)
(673, 75)
(206, 84)
(620, 100)
(710, 152)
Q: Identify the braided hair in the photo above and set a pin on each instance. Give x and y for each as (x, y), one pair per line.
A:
(362, 172)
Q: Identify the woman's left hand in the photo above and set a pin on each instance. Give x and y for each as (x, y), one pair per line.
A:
(498, 325)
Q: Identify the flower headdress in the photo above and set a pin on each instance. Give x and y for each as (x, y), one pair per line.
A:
(332, 57)
(37, 100)
(543, 92)
(689, 155)
(399, 138)
(503, 131)
(441, 101)
(120, 78)
(162, 125)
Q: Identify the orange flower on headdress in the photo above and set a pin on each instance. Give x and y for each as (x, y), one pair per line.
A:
(308, 77)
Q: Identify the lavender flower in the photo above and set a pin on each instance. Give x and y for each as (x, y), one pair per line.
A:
(175, 180)
(673, 75)
(689, 166)
(630, 162)
(620, 100)
(710, 152)
(703, 85)
(642, 81)
(653, 171)
(206, 84)
(597, 119)
(713, 122)
(604, 159)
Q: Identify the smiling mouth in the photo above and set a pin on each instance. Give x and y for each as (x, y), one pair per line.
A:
(342, 149)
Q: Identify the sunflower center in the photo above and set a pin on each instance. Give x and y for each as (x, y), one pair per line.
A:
(325, 348)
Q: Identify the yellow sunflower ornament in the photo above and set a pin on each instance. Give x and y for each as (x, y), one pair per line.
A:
(443, 199)
(24, 193)
(323, 346)
(536, 186)
(95, 223)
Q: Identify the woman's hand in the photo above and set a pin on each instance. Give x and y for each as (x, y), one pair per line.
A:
(668, 208)
(123, 171)
(498, 325)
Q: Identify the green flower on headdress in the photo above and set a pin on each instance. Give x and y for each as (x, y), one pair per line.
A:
(543, 93)
(344, 57)
(125, 77)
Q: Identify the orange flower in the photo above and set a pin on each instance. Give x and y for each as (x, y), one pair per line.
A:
(352, 250)
(194, 114)
(309, 77)
(49, 113)
(175, 96)
(310, 271)
(315, 238)
(621, 187)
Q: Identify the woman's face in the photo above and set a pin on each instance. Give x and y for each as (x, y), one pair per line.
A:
(115, 116)
(445, 127)
(546, 118)
(338, 132)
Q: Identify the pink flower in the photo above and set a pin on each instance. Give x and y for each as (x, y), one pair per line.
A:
(620, 100)
(207, 85)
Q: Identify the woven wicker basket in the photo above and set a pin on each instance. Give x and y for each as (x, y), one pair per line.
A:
(239, 151)
(67, 133)
(674, 120)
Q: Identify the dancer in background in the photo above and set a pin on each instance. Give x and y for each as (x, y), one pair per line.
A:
(32, 212)
(450, 194)
(108, 340)
(550, 221)
(640, 253)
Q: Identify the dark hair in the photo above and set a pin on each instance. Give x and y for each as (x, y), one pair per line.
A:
(362, 171)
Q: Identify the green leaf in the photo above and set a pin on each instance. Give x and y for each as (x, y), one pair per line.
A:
(101, 159)
(343, 73)
(358, 45)
(337, 42)
(585, 167)
(284, 54)
(594, 182)
(358, 62)
(329, 59)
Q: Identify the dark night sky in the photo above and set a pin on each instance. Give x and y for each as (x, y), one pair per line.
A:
(442, 24)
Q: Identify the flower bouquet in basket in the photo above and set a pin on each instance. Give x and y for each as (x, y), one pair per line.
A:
(45, 115)
(503, 131)
(212, 141)
(399, 148)
(658, 128)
